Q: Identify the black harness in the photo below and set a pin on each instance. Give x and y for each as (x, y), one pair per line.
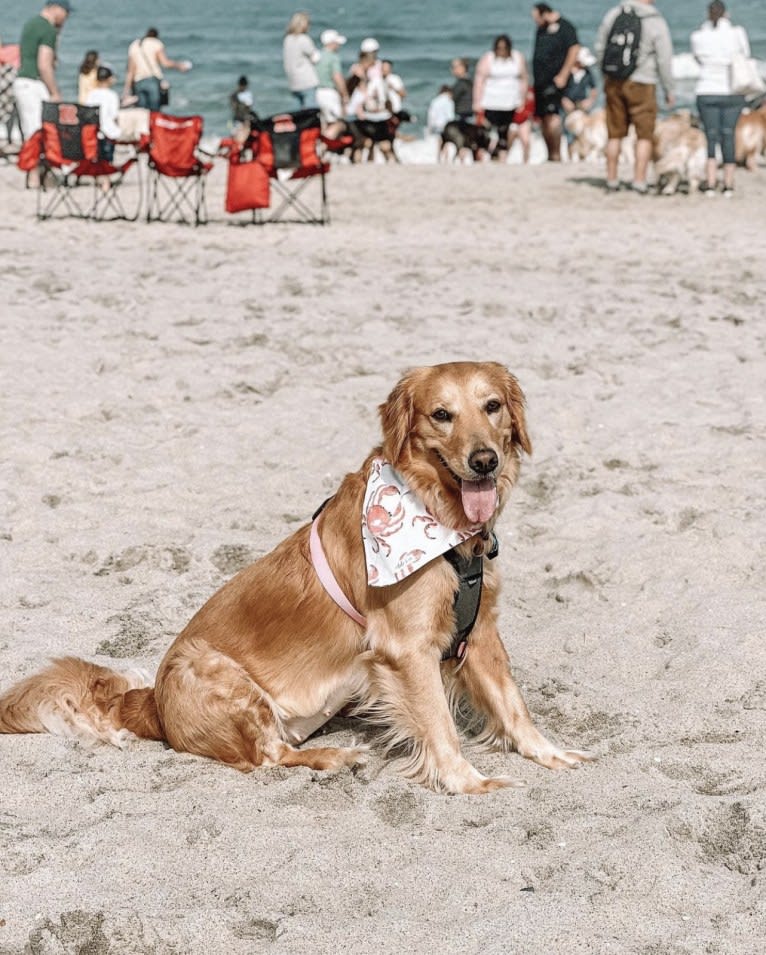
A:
(470, 572)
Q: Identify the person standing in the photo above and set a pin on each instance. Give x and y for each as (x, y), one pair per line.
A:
(499, 89)
(332, 94)
(554, 58)
(299, 58)
(36, 79)
(714, 46)
(630, 86)
(86, 78)
(143, 77)
(462, 89)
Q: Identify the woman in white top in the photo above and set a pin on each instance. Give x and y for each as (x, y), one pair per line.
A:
(714, 46)
(499, 89)
(299, 56)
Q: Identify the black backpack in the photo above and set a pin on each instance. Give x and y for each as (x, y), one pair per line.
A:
(621, 50)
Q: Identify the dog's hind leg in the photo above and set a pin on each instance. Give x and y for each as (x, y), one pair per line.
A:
(214, 708)
(485, 680)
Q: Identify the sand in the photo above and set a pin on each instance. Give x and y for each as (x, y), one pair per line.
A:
(176, 400)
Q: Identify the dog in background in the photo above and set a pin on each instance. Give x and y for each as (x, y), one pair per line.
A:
(750, 137)
(679, 152)
(272, 656)
(466, 138)
(589, 136)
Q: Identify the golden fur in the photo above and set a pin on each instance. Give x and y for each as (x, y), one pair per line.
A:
(679, 153)
(270, 657)
(750, 137)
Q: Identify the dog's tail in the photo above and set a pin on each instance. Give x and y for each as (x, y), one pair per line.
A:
(84, 701)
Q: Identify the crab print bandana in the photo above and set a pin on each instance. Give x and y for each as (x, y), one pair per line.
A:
(400, 535)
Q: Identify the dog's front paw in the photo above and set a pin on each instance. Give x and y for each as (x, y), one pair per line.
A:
(533, 745)
(475, 784)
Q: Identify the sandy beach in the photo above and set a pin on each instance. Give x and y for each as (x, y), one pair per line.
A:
(174, 401)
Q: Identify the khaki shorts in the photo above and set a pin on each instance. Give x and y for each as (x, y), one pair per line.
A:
(628, 102)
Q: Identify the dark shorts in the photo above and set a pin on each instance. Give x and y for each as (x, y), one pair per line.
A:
(501, 120)
(548, 100)
(630, 102)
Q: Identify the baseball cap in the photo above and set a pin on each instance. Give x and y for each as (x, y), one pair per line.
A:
(331, 36)
(369, 45)
(586, 57)
(64, 4)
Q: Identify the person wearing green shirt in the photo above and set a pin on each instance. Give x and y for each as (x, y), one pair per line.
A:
(332, 95)
(36, 79)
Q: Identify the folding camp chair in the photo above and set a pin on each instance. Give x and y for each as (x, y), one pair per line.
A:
(177, 172)
(74, 181)
(9, 117)
(287, 146)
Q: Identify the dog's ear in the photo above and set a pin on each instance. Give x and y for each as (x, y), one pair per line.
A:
(514, 398)
(397, 416)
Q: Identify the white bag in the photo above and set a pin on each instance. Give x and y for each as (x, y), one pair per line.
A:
(746, 80)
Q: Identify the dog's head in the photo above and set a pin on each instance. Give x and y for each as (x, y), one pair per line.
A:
(455, 432)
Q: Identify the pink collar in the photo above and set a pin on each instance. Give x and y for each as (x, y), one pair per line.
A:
(327, 577)
(400, 536)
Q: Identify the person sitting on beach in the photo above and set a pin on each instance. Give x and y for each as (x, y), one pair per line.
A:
(332, 93)
(86, 78)
(299, 58)
(241, 102)
(441, 110)
(143, 76)
(462, 89)
(108, 103)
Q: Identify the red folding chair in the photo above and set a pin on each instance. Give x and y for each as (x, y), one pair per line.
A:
(74, 181)
(287, 146)
(177, 171)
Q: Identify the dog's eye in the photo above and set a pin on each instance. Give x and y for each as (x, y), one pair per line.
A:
(492, 406)
(441, 414)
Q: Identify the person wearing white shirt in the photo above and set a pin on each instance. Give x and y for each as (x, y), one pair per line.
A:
(714, 46)
(108, 103)
(441, 110)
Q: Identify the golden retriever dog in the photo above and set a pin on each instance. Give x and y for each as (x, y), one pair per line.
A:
(271, 656)
(589, 134)
(679, 153)
(750, 137)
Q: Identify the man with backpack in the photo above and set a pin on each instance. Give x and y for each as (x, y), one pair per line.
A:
(635, 51)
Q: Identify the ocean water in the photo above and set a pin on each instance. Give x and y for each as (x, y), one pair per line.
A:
(226, 38)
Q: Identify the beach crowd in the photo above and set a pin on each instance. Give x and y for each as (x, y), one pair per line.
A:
(490, 102)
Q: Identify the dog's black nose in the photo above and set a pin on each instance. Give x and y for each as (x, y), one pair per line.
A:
(483, 461)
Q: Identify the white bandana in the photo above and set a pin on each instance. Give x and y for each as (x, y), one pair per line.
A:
(400, 535)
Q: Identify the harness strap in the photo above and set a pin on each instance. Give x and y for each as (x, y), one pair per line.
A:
(470, 571)
(327, 577)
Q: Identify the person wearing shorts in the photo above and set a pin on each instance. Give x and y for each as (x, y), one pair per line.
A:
(35, 81)
(554, 58)
(634, 100)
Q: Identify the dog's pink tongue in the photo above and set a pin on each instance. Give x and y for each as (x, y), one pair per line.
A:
(479, 499)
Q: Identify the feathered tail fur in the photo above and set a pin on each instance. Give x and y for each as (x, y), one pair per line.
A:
(84, 701)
